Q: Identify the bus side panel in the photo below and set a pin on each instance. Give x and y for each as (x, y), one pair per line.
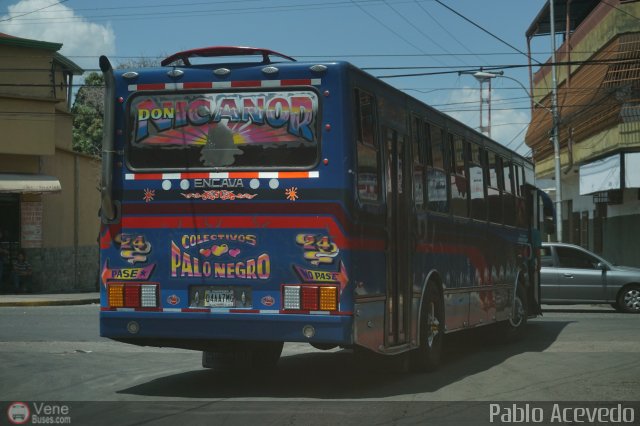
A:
(370, 299)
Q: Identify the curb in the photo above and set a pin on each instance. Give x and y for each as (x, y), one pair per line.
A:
(19, 303)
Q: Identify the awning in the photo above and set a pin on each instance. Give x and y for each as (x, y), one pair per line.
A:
(28, 183)
(601, 175)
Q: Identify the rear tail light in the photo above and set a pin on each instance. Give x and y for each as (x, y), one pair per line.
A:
(292, 297)
(116, 295)
(149, 295)
(132, 295)
(328, 298)
(310, 297)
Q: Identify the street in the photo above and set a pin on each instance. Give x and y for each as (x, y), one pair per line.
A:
(55, 354)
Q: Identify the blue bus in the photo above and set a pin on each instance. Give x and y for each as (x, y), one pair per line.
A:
(249, 199)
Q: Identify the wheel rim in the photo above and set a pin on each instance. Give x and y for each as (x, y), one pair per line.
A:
(517, 313)
(632, 299)
(433, 325)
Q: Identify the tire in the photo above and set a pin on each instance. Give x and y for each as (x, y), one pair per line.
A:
(629, 299)
(223, 361)
(323, 346)
(513, 328)
(431, 329)
(253, 356)
(266, 354)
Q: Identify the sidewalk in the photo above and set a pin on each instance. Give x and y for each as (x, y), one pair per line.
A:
(49, 299)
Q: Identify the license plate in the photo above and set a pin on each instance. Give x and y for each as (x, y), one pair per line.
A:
(219, 299)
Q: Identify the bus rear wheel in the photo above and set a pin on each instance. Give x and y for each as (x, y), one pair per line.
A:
(431, 329)
(513, 328)
(253, 356)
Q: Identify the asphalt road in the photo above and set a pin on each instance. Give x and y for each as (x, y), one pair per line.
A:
(55, 354)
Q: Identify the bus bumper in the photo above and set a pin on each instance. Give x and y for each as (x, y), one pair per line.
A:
(145, 328)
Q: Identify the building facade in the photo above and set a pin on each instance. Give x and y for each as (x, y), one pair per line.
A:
(598, 110)
(49, 199)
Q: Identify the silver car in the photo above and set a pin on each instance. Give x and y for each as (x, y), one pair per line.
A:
(573, 275)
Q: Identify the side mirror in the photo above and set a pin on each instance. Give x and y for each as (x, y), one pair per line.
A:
(602, 266)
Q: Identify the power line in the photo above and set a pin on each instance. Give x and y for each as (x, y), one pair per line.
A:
(372, 16)
(425, 35)
(453, 37)
(495, 68)
(33, 11)
(342, 55)
(207, 3)
(152, 13)
(483, 29)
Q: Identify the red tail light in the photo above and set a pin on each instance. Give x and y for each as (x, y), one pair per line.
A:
(309, 296)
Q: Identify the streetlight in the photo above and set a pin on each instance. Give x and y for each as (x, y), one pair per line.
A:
(483, 76)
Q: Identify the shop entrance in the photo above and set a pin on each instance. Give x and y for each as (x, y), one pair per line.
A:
(9, 235)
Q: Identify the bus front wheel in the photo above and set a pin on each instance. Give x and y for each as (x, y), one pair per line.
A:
(427, 356)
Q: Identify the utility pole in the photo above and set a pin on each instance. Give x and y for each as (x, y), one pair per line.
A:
(555, 123)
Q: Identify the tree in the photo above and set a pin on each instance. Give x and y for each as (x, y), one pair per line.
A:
(88, 110)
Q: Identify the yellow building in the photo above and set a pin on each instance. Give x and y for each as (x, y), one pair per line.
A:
(598, 99)
(48, 193)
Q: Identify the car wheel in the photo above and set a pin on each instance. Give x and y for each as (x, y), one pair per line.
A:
(629, 299)
(427, 356)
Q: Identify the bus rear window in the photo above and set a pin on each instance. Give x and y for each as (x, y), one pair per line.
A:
(238, 130)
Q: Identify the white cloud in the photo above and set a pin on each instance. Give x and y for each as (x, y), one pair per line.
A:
(60, 24)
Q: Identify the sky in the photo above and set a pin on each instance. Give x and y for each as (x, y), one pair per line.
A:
(384, 37)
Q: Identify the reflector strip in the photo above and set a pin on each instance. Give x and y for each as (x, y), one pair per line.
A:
(224, 175)
(226, 311)
(225, 84)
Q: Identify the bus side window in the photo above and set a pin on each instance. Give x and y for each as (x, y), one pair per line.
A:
(476, 179)
(494, 200)
(521, 203)
(368, 152)
(459, 191)
(508, 198)
(437, 199)
(418, 162)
